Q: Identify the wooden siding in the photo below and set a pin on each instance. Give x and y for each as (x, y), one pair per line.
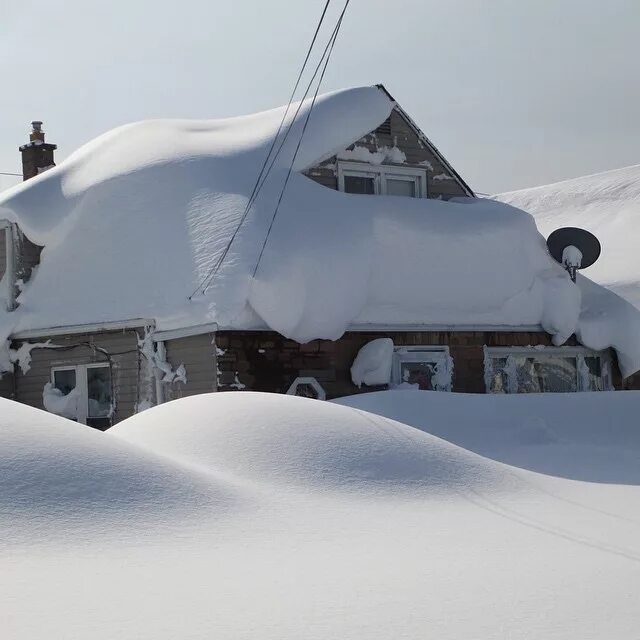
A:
(121, 347)
(265, 361)
(441, 183)
(7, 383)
(3, 253)
(198, 355)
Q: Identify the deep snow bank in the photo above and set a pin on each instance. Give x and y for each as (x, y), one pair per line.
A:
(166, 196)
(297, 442)
(58, 478)
(586, 436)
(467, 548)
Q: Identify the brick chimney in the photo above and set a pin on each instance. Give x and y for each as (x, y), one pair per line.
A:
(37, 155)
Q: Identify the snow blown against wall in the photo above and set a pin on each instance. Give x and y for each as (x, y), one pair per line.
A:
(166, 197)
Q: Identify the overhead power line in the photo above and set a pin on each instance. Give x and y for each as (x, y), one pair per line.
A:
(258, 184)
(6, 173)
(332, 42)
(324, 60)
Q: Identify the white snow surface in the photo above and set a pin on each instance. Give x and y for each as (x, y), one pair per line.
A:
(244, 515)
(372, 364)
(608, 205)
(133, 222)
(62, 404)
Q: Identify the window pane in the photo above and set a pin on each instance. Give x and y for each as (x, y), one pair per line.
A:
(557, 374)
(399, 187)
(99, 391)
(531, 374)
(65, 380)
(359, 184)
(591, 374)
(496, 376)
(419, 373)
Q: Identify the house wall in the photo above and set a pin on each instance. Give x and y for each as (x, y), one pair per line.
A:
(198, 354)
(7, 383)
(130, 377)
(3, 252)
(440, 180)
(266, 361)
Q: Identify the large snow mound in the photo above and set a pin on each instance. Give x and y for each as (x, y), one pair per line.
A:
(539, 432)
(296, 442)
(133, 223)
(56, 476)
(477, 550)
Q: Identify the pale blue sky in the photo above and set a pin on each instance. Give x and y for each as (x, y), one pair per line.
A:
(514, 93)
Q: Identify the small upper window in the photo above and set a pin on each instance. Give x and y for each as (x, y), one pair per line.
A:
(390, 180)
(92, 384)
(549, 369)
(359, 184)
(425, 368)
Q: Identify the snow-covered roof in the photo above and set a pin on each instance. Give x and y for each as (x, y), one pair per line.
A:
(607, 204)
(133, 222)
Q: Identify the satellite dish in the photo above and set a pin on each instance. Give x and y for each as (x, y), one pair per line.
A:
(573, 248)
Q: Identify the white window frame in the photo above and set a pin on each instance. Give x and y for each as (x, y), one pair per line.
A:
(82, 385)
(416, 353)
(550, 352)
(380, 173)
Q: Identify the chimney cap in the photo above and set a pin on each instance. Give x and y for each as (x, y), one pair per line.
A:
(36, 125)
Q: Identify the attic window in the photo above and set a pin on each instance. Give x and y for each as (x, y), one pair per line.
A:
(385, 127)
(368, 179)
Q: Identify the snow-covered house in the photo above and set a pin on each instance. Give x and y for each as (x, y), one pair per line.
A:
(136, 271)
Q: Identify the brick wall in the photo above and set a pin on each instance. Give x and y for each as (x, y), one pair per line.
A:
(265, 361)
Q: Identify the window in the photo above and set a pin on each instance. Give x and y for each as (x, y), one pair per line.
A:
(354, 183)
(95, 395)
(546, 369)
(430, 368)
(307, 387)
(388, 180)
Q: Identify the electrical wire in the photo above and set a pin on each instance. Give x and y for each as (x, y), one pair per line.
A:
(304, 128)
(257, 188)
(323, 59)
(258, 184)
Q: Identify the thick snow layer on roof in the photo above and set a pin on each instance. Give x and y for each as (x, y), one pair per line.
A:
(133, 223)
(608, 205)
(233, 515)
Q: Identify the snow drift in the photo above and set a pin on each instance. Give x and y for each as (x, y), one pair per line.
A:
(58, 478)
(539, 432)
(135, 221)
(209, 517)
(285, 441)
